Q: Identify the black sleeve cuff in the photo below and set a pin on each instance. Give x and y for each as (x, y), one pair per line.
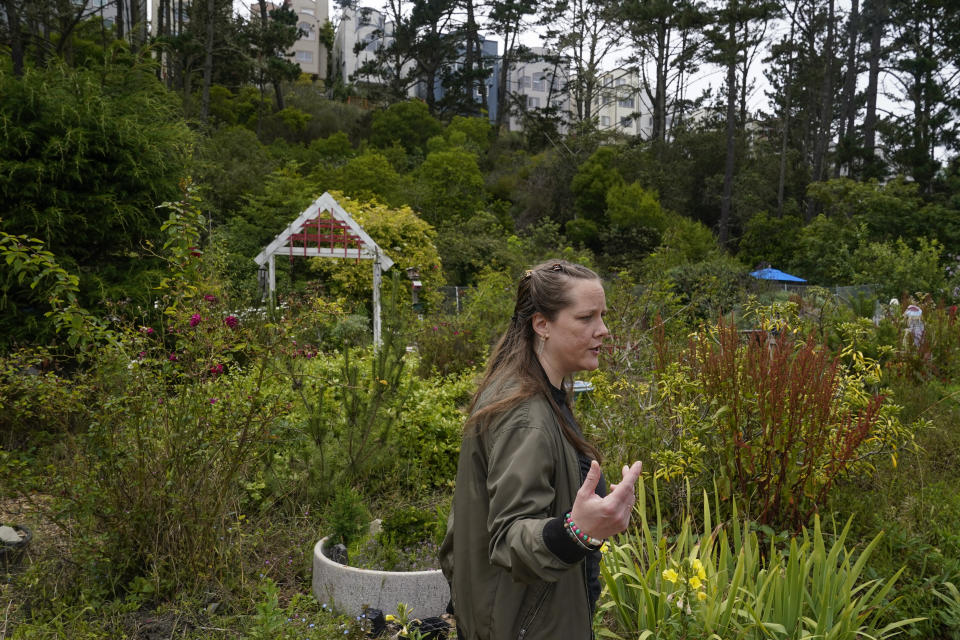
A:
(560, 543)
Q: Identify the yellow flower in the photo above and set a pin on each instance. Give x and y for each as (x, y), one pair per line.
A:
(604, 547)
(701, 573)
(670, 575)
(701, 596)
(390, 617)
(696, 564)
(694, 582)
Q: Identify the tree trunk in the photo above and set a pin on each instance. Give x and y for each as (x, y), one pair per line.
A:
(660, 100)
(826, 110)
(470, 56)
(16, 35)
(119, 21)
(208, 61)
(878, 18)
(160, 33)
(726, 201)
(847, 100)
(136, 23)
(785, 125)
(509, 47)
(260, 64)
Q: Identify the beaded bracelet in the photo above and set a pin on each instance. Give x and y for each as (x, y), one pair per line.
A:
(577, 540)
(581, 537)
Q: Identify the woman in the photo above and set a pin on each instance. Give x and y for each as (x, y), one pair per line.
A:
(530, 507)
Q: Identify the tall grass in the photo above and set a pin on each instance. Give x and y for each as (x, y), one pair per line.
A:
(723, 584)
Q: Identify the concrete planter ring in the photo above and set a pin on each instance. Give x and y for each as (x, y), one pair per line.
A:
(13, 542)
(350, 590)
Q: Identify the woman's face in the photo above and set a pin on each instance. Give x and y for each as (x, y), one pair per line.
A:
(574, 337)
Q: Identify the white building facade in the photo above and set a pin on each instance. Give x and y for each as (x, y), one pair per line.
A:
(368, 30)
(621, 105)
(309, 52)
(538, 84)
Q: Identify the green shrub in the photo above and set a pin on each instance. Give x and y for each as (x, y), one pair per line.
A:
(346, 516)
(38, 400)
(445, 346)
(428, 432)
(452, 343)
(408, 526)
(784, 417)
(182, 404)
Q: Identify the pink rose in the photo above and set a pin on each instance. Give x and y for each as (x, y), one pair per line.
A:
(195, 319)
(231, 321)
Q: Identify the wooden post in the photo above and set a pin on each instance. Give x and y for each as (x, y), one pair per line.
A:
(273, 281)
(377, 339)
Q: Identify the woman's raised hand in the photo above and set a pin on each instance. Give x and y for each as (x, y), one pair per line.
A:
(603, 517)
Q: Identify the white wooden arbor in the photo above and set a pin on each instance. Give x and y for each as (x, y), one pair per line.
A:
(326, 230)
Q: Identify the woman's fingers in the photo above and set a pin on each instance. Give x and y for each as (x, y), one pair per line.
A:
(589, 486)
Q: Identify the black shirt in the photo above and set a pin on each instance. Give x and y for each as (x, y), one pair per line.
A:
(592, 559)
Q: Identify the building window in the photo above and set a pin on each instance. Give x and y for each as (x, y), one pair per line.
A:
(533, 102)
(308, 12)
(626, 103)
(621, 82)
(304, 56)
(625, 123)
(604, 121)
(309, 33)
(539, 82)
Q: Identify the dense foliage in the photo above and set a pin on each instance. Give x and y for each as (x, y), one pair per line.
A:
(178, 446)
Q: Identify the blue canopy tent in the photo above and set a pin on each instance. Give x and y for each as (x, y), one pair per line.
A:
(775, 275)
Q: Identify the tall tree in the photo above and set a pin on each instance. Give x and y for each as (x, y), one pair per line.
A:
(434, 45)
(508, 19)
(39, 30)
(848, 108)
(876, 13)
(825, 104)
(734, 36)
(585, 32)
(665, 38)
(473, 75)
(12, 33)
(208, 60)
(781, 76)
(924, 37)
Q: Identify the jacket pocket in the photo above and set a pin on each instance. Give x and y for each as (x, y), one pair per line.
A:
(529, 617)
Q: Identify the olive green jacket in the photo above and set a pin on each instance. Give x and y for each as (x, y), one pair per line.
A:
(512, 480)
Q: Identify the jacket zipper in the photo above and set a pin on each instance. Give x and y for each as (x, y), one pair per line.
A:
(586, 592)
(536, 611)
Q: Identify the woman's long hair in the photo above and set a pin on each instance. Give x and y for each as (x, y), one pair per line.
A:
(544, 288)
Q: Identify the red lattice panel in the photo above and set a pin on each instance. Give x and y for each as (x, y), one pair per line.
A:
(324, 233)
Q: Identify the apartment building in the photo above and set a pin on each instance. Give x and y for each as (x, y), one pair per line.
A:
(490, 59)
(361, 32)
(308, 51)
(537, 84)
(620, 104)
